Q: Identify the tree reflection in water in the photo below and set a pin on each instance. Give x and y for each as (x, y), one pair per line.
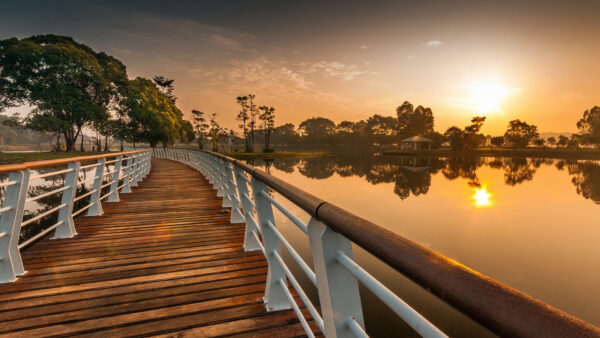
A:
(412, 175)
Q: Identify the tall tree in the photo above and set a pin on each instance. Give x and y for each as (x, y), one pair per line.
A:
(201, 126)
(69, 84)
(215, 132)
(414, 122)
(243, 117)
(253, 115)
(149, 115)
(268, 119)
(186, 132)
(166, 86)
(520, 133)
(589, 125)
(382, 128)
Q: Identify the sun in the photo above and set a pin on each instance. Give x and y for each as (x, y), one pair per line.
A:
(486, 97)
(482, 197)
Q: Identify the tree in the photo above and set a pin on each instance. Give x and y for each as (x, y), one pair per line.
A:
(471, 134)
(382, 128)
(455, 137)
(186, 132)
(268, 118)
(149, 115)
(498, 141)
(243, 117)
(563, 140)
(201, 126)
(589, 126)
(414, 122)
(215, 132)
(285, 134)
(69, 84)
(166, 86)
(551, 141)
(253, 114)
(539, 142)
(520, 133)
(317, 129)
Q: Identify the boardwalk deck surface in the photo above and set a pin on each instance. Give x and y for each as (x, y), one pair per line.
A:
(163, 261)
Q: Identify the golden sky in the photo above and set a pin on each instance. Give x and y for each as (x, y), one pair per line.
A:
(346, 60)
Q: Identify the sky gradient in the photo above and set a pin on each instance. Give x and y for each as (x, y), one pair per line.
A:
(346, 60)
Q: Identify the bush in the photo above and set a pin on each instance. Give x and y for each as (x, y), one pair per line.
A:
(268, 150)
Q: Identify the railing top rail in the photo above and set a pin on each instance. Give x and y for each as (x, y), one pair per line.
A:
(500, 308)
(49, 163)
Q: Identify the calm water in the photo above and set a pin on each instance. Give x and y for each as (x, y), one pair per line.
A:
(529, 223)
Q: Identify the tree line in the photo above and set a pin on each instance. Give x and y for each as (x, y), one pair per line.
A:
(72, 88)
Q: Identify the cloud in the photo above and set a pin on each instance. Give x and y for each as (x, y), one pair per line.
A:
(433, 43)
(410, 57)
(364, 47)
(334, 69)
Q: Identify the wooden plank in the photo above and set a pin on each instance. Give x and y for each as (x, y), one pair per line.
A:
(164, 260)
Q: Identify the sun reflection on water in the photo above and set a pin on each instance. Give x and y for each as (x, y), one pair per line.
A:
(482, 197)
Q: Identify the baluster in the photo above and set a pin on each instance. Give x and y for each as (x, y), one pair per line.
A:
(275, 298)
(96, 209)
(134, 169)
(149, 164)
(250, 242)
(65, 215)
(337, 287)
(114, 196)
(126, 182)
(225, 184)
(11, 264)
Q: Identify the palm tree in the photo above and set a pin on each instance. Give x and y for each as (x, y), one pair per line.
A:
(268, 118)
(253, 113)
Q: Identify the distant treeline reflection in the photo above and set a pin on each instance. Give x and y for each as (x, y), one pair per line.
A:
(412, 175)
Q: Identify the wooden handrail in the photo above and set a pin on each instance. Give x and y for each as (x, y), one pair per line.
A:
(498, 307)
(60, 161)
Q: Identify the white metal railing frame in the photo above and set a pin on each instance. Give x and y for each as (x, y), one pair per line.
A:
(331, 231)
(16, 197)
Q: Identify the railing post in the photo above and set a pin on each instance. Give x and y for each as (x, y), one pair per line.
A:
(275, 298)
(250, 242)
(236, 214)
(96, 209)
(337, 287)
(11, 264)
(65, 215)
(114, 186)
(149, 164)
(126, 182)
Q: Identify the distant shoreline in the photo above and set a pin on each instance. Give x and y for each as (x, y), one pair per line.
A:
(269, 156)
(547, 152)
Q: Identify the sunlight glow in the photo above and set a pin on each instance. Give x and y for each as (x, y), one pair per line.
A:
(486, 97)
(482, 197)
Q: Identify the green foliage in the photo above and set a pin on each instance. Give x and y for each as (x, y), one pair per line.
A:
(68, 83)
(166, 86)
(520, 133)
(149, 115)
(467, 139)
(589, 125)
(186, 132)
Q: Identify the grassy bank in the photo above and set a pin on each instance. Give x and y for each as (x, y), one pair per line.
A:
(283, 154)
(9, 158)
(533, 152)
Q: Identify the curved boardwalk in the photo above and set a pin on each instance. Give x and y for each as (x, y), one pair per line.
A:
(163, 261)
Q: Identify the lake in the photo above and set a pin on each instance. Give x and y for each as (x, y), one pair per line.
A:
(531, 223)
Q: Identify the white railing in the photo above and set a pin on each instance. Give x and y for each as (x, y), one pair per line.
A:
(335, 274)
(23, 176)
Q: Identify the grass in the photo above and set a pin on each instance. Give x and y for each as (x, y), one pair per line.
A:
(11, 158)
(529, 152)
(282, 154)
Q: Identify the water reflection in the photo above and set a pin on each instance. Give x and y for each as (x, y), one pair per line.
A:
(412, 176)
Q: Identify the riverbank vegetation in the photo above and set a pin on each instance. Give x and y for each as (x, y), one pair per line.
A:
(274, 155)
(11, 158)
(71, 89)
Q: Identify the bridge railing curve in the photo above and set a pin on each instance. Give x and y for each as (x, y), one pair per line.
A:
(331, 231)
(113, 173)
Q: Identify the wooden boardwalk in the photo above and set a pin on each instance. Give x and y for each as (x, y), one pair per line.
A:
(163, 261)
